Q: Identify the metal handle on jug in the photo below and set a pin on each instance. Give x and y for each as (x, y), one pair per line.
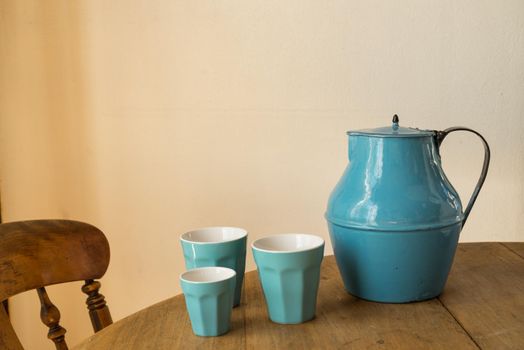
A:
(441, 135)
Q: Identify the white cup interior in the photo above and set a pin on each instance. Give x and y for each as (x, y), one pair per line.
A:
(207, 274)
(214, 235)
(286, 243)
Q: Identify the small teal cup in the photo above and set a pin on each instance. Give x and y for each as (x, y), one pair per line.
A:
(209, 293)
(217, 246)
(289, 271)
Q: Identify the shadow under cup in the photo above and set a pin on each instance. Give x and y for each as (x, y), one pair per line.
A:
(217, 246)
(289, 271)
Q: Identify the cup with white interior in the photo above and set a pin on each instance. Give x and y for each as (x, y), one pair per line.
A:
(217, 246)
(209, 293)
(289, 271)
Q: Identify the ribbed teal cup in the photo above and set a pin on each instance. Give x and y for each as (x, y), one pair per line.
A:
(289, 271)
(209, 293)
(217, 246)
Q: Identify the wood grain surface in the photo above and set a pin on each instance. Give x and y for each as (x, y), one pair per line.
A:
(516, 247)
(482, 307)
(485, 293)
(40, 253)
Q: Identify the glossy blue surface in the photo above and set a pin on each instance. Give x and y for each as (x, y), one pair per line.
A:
(394, 184)
(394, 267)
(209, 305)
(290, 283)
(394, 218)
(230, 254)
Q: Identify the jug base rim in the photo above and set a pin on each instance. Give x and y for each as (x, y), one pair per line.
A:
(393, 301)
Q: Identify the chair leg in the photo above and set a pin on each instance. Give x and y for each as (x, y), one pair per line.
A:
(96, 304)
(50, 316)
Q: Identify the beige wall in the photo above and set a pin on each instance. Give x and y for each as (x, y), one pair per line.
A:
(149, 118)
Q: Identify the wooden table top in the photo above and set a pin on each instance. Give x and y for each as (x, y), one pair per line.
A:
(482, 306)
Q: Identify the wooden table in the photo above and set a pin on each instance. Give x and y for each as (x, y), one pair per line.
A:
(482, 306)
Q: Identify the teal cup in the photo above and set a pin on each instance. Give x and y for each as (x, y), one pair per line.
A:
(217, 246)
(289, 271)
(209, 293)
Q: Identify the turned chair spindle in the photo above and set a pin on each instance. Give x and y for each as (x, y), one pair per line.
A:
(50, 316)
(96, 304)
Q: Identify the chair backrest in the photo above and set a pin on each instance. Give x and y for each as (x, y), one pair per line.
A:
(38, 253)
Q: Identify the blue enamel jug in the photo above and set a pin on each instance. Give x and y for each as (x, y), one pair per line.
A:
(394, 218)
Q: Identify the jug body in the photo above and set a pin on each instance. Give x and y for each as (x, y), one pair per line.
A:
(394, 266)
(394, 219)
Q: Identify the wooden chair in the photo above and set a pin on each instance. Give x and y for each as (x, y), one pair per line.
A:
(35, 254)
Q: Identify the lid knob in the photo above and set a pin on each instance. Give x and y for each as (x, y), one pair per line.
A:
(395, 122)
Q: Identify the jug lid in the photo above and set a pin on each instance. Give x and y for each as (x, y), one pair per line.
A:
(393, 131)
